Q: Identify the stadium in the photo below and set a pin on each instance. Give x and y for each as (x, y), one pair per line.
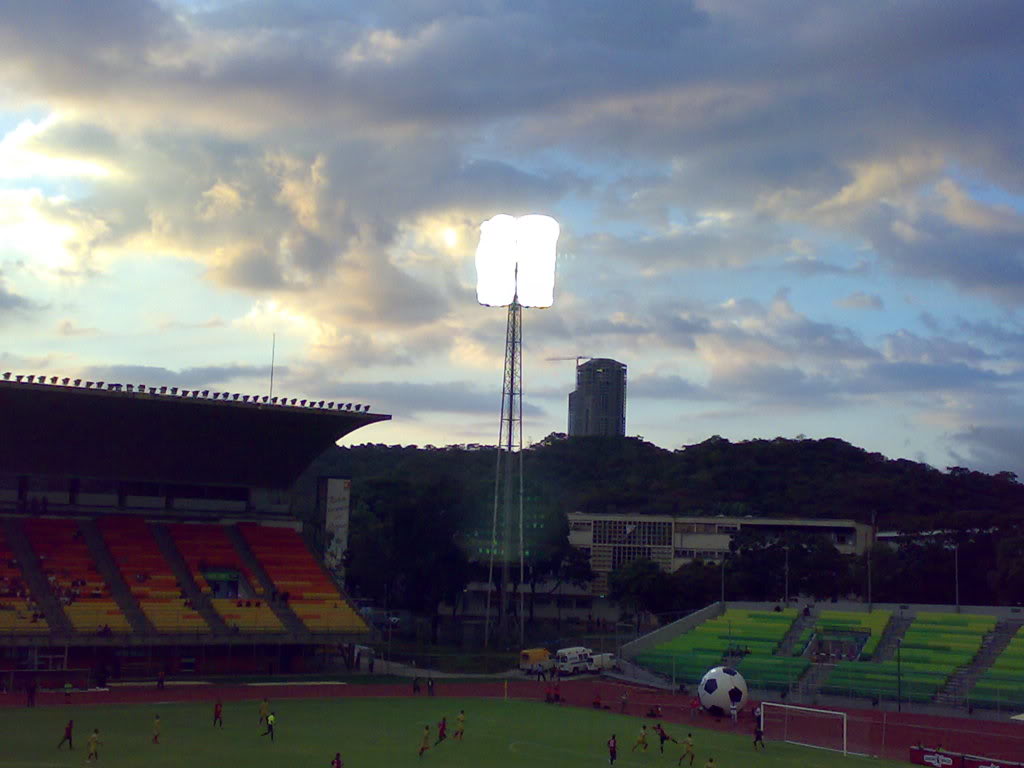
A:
(150, 531)
(151, 539)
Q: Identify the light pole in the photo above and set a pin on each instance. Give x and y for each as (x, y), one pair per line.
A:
(515, 266)
(899, 676)
(785, 594)
(956, 574)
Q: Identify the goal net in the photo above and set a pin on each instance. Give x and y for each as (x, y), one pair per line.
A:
(819, 728)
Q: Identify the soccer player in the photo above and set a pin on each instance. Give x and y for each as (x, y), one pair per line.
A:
(425, 740)
(460, 726)
(710, 763)
(687, 749)
(613, 750)
(641, 739)
(264, 709)
(271, 719)
(759, 735)
(94, 746)
(67, 735)
(663, 737)
(337, 762)
(218, 713)
(442, 730)
(156, 729)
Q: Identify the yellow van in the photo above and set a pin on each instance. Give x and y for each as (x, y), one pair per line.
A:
(531, 658)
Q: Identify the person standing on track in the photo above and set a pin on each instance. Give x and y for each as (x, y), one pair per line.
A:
(67, 735)
(613, 750)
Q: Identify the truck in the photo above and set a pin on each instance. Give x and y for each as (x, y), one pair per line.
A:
(599, 662)
(571, 661)
(532, 659)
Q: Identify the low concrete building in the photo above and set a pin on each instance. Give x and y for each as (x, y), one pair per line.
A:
(612, 540)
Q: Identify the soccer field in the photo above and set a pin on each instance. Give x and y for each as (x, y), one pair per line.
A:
(377, 733)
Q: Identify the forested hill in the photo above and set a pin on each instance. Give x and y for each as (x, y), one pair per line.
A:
(778, 477)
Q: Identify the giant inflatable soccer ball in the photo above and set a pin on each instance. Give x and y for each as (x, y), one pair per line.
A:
(720, 688)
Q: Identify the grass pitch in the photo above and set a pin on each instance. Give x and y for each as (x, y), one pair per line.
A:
(374, 733)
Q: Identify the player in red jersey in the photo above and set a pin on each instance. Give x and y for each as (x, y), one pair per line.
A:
(218, 713)
(337, 761)
(663, 737)
(67, 735)
(613, 750)
(442, 730)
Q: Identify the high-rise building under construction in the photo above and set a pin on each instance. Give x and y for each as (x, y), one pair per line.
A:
(598, 405)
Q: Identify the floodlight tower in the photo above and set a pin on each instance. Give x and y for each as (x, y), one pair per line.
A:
(515, 266)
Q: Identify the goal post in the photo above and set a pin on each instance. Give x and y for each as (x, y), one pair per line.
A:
(806, 726)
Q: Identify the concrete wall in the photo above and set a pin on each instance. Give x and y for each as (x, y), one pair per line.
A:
(678, 627)
(908, 609)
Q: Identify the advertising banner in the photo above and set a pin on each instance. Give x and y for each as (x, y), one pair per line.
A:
(337, 493)
(935, 759)
(973, 761)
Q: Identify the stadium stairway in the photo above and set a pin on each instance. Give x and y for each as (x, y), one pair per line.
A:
(886, 650)
(795, 631)
(200, 601)
(960, 683)
(811, 681)
(281, 609)
(112, 575)
(20, 547)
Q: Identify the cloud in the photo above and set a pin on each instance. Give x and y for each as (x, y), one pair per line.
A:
(187, 378)
(990, 448)
(11, 303)
(861, 300)
(68, 328)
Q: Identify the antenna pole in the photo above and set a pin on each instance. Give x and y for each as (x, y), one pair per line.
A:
(273, 351)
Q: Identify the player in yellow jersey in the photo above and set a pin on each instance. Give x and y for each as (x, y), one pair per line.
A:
(641, 740)
(425, 740)
(156, 729)
(460, 726)
(264, 709)
(94, 746)
(710, 763)
(687, 749)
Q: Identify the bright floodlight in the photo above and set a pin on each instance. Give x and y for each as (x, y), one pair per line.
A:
(516, 257)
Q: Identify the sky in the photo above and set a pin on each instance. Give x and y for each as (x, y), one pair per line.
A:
(786, 217)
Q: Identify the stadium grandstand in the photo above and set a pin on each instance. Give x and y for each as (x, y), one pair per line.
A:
(903, 655)
(152, 530)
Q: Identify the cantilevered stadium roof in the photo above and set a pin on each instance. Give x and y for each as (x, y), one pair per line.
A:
(62, 430)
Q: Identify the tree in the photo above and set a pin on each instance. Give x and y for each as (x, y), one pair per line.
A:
(643, 586)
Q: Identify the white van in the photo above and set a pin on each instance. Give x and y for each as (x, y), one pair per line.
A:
(573, 660)
(599, 662)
